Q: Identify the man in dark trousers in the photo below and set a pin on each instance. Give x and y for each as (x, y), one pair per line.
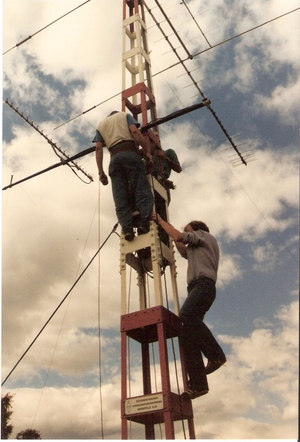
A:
(201, 250)
(119, 133)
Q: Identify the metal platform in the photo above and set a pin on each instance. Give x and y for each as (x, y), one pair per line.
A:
(156, 324)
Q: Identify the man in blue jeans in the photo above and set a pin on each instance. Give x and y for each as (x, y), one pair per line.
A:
(119, 133)
(201, 250)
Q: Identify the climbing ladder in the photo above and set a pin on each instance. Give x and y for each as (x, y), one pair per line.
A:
(153, 325)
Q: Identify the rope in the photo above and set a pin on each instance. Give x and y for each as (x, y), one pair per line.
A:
(59, 305)
(153, 354)
(128, 371)
(175, 364)
(129, 378)
(99, 328)
(129, 290)
(178, 389)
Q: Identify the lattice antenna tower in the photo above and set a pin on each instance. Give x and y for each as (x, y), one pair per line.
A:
(153, 323)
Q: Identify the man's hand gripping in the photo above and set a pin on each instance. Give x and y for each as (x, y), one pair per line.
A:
(103, 179)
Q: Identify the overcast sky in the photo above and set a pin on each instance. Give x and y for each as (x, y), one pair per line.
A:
(54, 223)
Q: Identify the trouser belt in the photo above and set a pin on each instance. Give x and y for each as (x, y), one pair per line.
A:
(122, 147)
(196, 280)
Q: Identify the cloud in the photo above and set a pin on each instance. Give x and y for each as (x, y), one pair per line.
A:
(250, 384)
(54, 224)
(265, 257)
(230, 269)
(80, 409)
(282, 94)
(254, 384)
(246, 213)
(38, 239)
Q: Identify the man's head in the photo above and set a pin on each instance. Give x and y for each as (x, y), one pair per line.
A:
(196, 225)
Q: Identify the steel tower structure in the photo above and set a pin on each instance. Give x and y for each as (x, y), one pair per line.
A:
(153, 324)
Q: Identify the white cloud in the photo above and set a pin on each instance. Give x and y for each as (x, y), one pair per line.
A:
(230, 269)
(80, 408)
(258, 366)
(282, 97)
(50, 223)
(253, 396)
(265, 256)
(249, 207)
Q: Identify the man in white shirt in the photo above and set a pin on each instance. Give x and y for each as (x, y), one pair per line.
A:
(119, 133)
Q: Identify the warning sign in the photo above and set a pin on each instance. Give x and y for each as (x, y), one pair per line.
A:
(144, 404)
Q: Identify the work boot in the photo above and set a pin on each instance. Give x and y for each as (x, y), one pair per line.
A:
(143, 228)
(213, 366)
(129, 235)
(189, 393)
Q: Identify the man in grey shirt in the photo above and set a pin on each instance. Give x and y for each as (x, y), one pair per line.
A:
(201, 250)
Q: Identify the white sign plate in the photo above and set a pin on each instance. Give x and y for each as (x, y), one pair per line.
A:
(144, 404)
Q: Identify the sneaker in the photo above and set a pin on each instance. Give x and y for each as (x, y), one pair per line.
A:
(213, 366)
(129, 236)
(189, 393)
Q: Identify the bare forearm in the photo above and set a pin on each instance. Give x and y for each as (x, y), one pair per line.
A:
(140, 140)
(99, 157)
(99, 161)
(181, 248)
(169, 229)
(175, 166)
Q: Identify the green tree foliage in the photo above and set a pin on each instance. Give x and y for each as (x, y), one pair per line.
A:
(6, 412)
(6, 428)
(29, 434)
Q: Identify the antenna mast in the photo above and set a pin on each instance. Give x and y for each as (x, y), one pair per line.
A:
(153, 323)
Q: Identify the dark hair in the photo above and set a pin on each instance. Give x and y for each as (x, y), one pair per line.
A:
(199, 225)
(113, 112)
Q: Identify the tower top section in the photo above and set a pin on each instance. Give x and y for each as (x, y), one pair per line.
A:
(136, 62)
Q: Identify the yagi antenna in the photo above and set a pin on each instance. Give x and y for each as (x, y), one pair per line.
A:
(57, 150)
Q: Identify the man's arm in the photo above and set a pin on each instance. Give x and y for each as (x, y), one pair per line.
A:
(140, 140)
(99, 161)
(173, 164)
(181, 249)
(171, 231)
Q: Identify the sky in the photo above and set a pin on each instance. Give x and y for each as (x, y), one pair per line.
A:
(52, 225)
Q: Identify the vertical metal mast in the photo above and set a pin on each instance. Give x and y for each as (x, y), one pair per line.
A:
(139, 100)
(153, 324)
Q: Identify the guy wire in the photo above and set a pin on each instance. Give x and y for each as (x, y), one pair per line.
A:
(59, 305)
(30, 36)
(99, 319)
(182, 61)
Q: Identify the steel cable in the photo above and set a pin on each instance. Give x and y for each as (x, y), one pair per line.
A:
(59, 305)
